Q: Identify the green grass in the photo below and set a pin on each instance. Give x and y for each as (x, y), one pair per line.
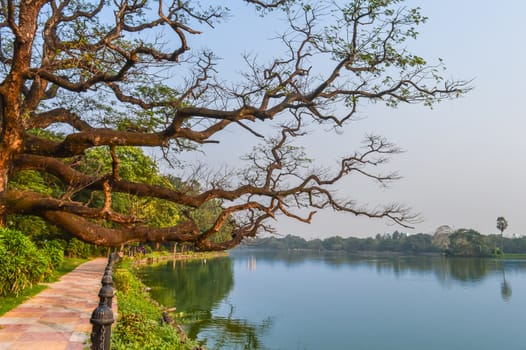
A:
(68, 265)
(139, 325)
(10, 302)
(159, 256)
(510, 256)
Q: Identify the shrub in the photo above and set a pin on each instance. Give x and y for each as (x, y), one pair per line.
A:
(139, 325)
(123, 280)
(78, 249)
(54, 250)
(22, 265)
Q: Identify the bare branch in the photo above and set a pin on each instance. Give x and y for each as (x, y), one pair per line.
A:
(121, 74)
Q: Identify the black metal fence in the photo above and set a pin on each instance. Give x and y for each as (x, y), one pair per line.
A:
(102, 317)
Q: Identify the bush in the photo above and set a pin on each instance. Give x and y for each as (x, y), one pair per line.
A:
(54, 250)
(123, 280)
(78, 249)
(22, 265)
(139, 325)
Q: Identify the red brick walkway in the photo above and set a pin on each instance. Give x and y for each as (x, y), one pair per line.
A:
(58, 317)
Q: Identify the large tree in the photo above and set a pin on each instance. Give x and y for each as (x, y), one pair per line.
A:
(108, 74)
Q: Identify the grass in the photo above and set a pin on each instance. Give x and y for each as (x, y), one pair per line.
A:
(68, 265)
(510, 256)
(159, 256)
(139, 325)
(10, 302)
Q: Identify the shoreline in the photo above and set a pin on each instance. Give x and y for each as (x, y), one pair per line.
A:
(379, 254)
(156, 258)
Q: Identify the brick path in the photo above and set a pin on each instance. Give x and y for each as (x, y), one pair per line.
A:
(58, 317)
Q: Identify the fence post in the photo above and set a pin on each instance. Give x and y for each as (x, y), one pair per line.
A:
(107, 290)
(102, 317)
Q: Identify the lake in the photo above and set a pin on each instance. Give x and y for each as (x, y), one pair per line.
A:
(291, 300)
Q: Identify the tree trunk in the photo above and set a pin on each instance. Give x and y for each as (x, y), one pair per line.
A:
(3, 188)
(4, 177)
(4, 165)
(501, 242)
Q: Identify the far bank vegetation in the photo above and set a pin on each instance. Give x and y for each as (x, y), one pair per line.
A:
(446, 241)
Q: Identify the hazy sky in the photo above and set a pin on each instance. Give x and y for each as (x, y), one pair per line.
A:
(465, 161)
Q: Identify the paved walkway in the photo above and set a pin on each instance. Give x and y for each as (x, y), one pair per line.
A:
(58, 317)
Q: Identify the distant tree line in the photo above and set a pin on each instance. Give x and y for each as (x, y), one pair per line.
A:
(462, 242)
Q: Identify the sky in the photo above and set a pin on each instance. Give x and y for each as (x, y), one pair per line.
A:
(464, 162)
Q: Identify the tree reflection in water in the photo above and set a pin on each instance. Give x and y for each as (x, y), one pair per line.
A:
(505, 287)
(228, 332)
(196, 288)
(200, 289)
(448, 270)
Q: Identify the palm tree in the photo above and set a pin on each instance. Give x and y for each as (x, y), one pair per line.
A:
(502, 224)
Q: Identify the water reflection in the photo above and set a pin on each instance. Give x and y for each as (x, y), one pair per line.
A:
(185, 283)
(446, 269)
(467, 269)
(229, 332)
(251, 263)
(505, 287)
(197, 288)
(206, 301)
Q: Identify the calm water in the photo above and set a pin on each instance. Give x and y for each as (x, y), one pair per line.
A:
(267, 300)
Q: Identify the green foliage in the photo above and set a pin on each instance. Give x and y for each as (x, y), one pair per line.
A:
(465, 242)
(36, 181)
(31, 180)
(22, 265)
(502, 224)
(148, 249)
(419, 243)
(206, 215)
(139, 325)
(54, 251)
(32, 226)
(134, 166)
(78, 249)
(462, 243)
(333, 243)
(9, 302)
(123, 280)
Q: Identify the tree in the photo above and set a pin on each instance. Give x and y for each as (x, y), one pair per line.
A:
(468, 242)
(116, 74)
(502, 224)
(419, 243)
(334, 243)
(441, 237)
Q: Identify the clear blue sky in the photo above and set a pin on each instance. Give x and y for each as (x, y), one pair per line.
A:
(465, 160)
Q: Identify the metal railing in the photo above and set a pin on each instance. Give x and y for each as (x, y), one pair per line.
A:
(102, 317)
